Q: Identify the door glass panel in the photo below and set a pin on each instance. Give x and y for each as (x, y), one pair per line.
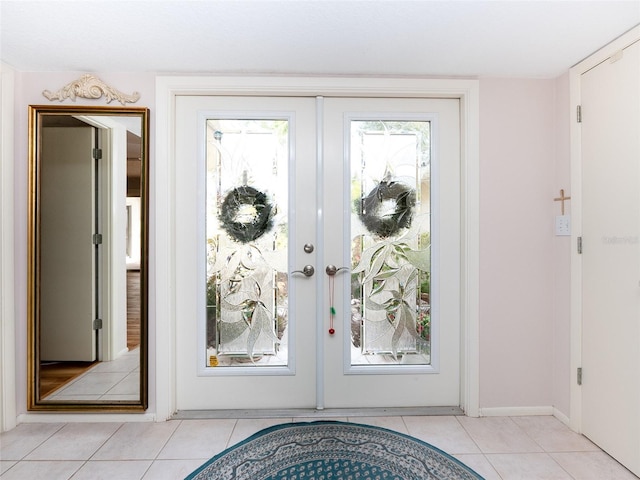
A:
(247, 242)
(390, 242)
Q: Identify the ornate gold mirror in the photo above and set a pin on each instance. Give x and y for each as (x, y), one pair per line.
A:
(88, 260)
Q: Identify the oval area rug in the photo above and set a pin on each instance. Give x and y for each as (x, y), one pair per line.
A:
(328, 450)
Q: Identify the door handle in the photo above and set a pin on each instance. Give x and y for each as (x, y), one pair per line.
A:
(307, 271)
(332, 270)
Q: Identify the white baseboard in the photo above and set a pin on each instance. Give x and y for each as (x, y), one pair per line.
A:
(515, 411)
(561, 416)
(525, 412)
(85, 417)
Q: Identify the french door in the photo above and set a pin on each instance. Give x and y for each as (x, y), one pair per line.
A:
(318, 259)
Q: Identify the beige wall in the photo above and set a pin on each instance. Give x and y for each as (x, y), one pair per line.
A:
(561, 268)
(524, 283)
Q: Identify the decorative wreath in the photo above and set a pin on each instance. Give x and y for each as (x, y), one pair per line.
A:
(387, 225)
(246, 214)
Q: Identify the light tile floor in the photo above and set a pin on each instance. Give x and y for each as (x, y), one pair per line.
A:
(503, 448)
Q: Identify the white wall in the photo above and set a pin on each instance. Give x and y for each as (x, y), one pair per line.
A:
(524, 345)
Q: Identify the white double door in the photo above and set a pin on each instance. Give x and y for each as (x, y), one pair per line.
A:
(316, 368)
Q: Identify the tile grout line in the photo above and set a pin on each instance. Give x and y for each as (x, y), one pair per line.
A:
(86, 461)
(235, 425)
(167, 441)
(62, 425)
(478, 447)
(548, 454)
(470, 436)
(124, 460)
(105, 442)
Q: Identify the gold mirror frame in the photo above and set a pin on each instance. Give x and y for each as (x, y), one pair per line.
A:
(38, 113)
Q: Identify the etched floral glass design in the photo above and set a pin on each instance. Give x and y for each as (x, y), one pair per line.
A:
(247, 242)
(390, 242)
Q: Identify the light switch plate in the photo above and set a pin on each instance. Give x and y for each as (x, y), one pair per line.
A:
(563, 225)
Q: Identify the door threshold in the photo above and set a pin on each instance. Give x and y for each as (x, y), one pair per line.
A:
(318, 414)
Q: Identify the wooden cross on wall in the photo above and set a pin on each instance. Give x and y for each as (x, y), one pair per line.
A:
(562, 199)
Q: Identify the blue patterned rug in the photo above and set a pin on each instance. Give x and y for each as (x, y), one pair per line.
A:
(332, 451)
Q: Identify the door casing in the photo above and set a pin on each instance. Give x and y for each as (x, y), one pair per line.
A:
(338, 384)
(164, 194)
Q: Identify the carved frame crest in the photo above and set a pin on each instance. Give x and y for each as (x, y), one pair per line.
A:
(89, 86)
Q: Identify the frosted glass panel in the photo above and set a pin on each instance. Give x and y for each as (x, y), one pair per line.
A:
(247, 242)
(390, 242)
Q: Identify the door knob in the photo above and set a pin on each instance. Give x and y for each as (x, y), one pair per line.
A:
(307, 271)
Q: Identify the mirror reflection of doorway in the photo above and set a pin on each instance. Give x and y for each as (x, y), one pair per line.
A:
(133, 238)
(79, 359)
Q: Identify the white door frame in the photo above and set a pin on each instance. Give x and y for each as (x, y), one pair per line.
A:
(113, 181)
(163, 198)
(8, 407)
(575, 75)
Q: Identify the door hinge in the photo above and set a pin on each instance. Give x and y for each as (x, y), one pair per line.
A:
(97, 153)
(97, 239)
(97, 324)
(580, 245)
(579, 113)
(579, 376)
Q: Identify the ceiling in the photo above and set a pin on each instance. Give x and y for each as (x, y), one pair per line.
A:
(517, 38)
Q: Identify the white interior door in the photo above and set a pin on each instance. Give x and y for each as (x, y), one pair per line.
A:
(269, 189)
(611, 256)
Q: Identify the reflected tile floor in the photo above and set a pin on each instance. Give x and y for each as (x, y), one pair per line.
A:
(499, 448)
(115, 380)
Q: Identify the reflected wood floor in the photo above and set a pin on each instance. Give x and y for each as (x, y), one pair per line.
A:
(54, 375)
(133, 309)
